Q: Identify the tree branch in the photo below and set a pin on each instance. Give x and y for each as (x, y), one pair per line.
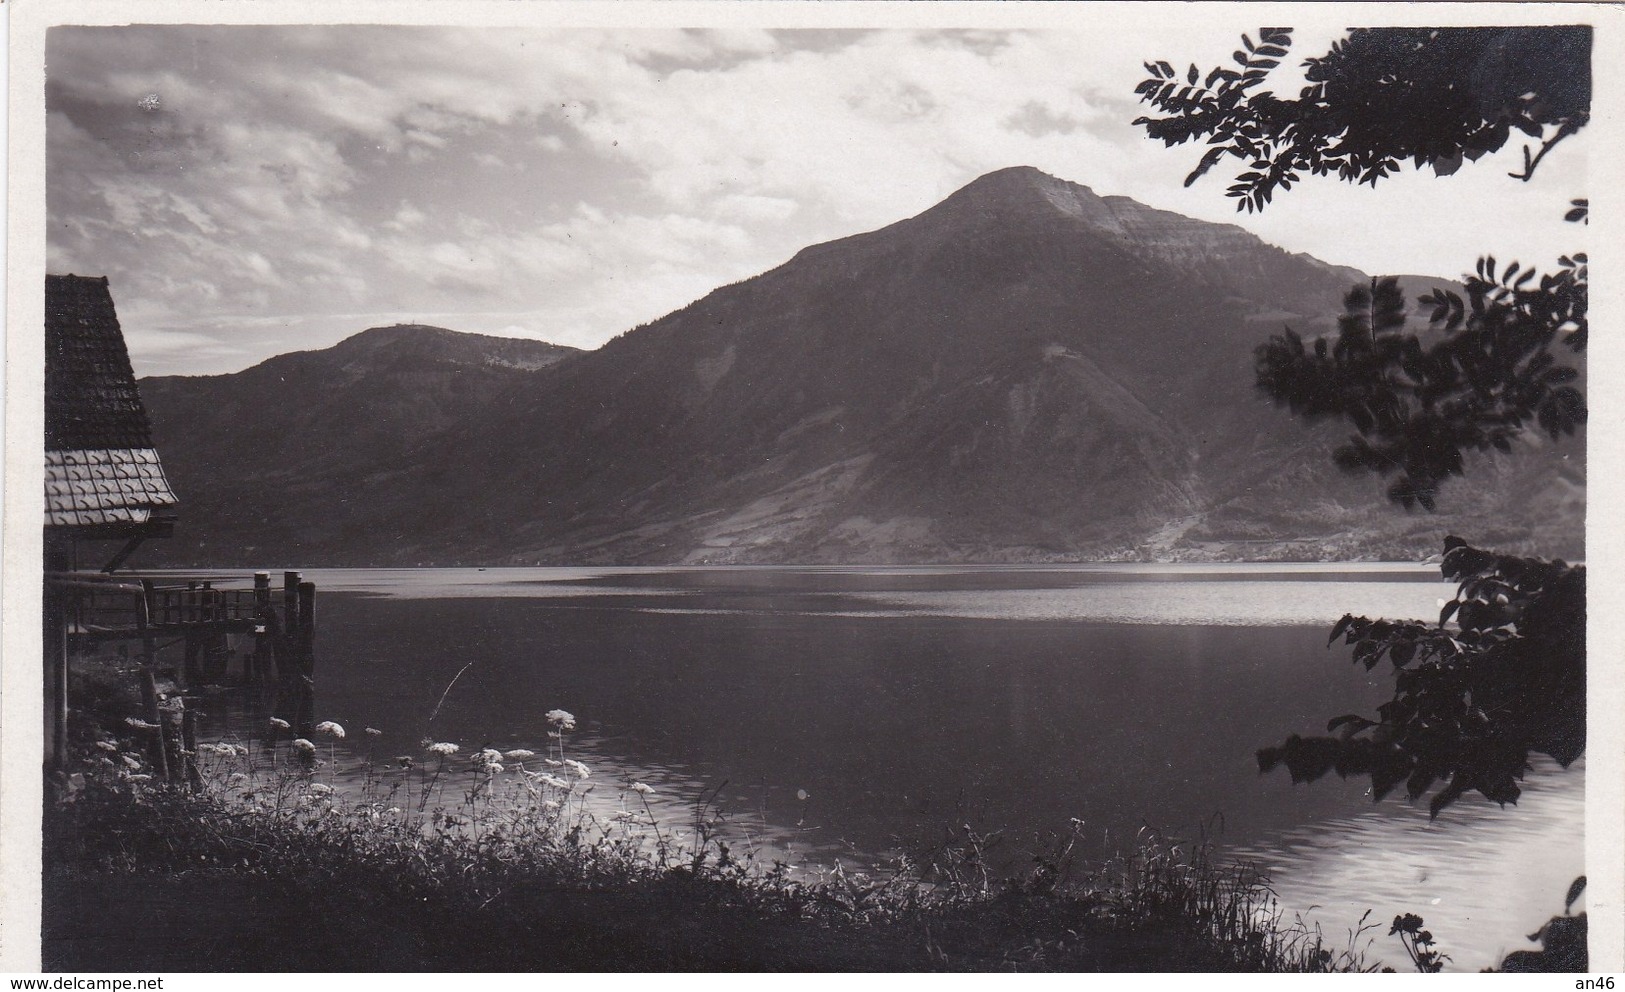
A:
(1568, 128)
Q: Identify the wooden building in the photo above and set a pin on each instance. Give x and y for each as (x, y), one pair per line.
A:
(103, 478)
(105, 494)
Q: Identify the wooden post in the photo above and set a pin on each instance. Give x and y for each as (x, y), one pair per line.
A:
(56, 668)
(305, 653)
(290, 605)
(256, 668)
(307, 629)
(192, 669)
(215, 651)
(194, 778)
(149, 679)
(57, 604)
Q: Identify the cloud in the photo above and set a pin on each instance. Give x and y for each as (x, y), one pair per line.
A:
(592, 180)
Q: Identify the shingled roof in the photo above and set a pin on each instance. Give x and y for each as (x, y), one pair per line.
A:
(100, 466)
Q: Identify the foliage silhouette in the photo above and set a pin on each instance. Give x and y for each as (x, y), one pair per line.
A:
(1419, 402)
(1471, 702)
(1435, 96)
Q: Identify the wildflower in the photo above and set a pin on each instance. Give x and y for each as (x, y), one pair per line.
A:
(443, 748)
(139, 723)
(393, 811)
(300, 744)
(404, 760)
(488, 756)
(519, 754)
(620, 815)
(373, 732)
(553, 780)
(237, 778)
(561, 719)
(577, 767)
(280, 724)
(551, 763)
(131, 761)
(551, 805)
(331, 728)
(141, 778)
(642, 788)
(107, 745)
(320, 789)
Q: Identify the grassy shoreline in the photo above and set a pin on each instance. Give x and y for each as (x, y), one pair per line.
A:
(284, 874)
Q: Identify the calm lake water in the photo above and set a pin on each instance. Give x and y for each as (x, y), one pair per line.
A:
(851, 713)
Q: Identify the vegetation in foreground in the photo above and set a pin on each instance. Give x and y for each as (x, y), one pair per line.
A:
(262, 866)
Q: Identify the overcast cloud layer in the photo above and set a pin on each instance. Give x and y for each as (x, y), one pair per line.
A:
(256, 190)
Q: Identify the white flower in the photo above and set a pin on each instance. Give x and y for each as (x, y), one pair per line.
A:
(553, 764)
(107, 745)
(139, 723)
(577, 767)
(519, 754)
(551, 805)
(374, 732)
(553, 780)
(141, 778)
(300, 744)
(320, 789)
(331, 728)
(393, 811)
(620, 815)
(443, 748)
(642, 788)
(280, 724)
(561, 719)
(130, 761)
(488, 756)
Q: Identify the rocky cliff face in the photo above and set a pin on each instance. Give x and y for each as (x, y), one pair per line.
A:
(1027, 371)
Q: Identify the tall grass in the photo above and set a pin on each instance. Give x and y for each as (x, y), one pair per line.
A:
(463, 848)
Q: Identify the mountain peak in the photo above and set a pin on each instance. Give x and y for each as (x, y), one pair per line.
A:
(1024, 189)
(1017, 177)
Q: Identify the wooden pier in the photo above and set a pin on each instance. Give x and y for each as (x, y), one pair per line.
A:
(94, 609)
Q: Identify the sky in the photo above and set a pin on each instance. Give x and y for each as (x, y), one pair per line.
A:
(254, 190)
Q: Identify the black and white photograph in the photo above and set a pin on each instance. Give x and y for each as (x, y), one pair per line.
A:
(795, 487)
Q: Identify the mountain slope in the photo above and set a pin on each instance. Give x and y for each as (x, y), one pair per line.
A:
(1026, 371)
(262, 453)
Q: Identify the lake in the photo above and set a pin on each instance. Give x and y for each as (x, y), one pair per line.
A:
(856, 712)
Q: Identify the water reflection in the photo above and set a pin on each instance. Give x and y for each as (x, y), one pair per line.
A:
(847, 712)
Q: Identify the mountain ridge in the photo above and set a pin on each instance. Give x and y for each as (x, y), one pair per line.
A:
(1025, 371)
